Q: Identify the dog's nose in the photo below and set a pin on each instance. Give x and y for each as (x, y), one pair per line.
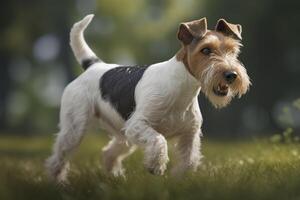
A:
(230, 76)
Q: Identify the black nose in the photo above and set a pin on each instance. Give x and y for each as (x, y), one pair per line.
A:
(230, 76)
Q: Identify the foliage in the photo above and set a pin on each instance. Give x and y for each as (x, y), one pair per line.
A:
(296, 104)
(288, 135)
(230, 170)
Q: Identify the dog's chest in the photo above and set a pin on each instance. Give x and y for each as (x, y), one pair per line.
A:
(182, 116)
(178, 122)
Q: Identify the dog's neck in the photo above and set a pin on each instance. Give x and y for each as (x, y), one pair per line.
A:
(186, 86)
(180, 69)
(182, 57)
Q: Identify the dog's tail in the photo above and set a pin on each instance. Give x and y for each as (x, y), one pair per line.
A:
(84, 55)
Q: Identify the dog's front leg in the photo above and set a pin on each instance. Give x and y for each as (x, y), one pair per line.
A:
(139, 131)
(188, 148)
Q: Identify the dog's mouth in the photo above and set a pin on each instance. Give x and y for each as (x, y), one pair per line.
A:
(221, 89)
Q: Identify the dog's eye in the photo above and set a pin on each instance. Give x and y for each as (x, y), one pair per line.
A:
(206, 51)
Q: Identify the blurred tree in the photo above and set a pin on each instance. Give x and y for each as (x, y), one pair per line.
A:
(22, 23)
(36, 61)
(5, 56)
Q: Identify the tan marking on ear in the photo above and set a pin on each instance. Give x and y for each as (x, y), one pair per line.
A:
(187, 32)
(190, 30)
(234, 30)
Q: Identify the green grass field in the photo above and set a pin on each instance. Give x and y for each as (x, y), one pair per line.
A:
(231, 170)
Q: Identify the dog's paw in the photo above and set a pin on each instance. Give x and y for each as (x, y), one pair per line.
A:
(158, 166)
(157, 170)
(57, 170)
(118, 172)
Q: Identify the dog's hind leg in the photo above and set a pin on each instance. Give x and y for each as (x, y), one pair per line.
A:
(74, 119)
(114, 153)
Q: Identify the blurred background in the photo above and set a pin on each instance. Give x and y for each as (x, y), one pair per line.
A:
(36, 62)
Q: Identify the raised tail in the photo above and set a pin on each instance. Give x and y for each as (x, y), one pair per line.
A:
(84, 55)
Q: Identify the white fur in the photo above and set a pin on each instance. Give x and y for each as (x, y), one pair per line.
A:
(79, 46)
(166, 106)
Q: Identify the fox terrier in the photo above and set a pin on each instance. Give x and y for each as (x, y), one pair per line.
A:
(144, 105)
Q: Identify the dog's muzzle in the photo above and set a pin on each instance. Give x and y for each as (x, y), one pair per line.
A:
(221, 89)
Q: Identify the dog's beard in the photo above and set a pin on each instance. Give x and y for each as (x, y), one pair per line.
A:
(243, 81)
(210, 80)
(212, 77)
(219, 101)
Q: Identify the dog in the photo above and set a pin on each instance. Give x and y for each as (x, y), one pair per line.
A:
(142, 106)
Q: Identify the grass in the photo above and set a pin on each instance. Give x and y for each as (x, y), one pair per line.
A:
(254, 169)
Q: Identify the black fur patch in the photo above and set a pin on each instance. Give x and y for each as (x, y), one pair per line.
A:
(117, 86)
(88, 62)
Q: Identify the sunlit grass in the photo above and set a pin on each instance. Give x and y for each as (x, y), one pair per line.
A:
(254, 169)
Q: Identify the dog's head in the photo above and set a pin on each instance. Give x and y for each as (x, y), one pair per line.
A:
(211, 56)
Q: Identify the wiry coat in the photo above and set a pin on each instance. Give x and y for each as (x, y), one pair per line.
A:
(137, 106)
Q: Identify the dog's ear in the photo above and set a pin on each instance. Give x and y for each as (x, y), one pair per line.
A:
(232, 30)
(189, 30)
